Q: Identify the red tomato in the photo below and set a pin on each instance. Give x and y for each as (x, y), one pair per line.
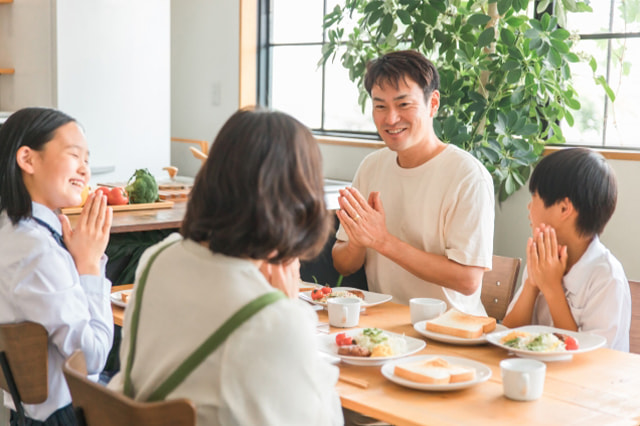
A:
(103, 190)
(326, 290)
(117, 196)
(570, 343)
(316, 294)
(343, 340)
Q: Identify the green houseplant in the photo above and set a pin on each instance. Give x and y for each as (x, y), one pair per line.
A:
(505, 76)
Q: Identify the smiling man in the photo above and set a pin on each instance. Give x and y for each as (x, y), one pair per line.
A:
(420, 213)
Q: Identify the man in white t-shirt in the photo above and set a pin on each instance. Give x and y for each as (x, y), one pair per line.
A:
(420, 214)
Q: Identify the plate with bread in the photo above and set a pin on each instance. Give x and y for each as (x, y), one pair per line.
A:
(320, 295)
(545, 343)
(458, 328)
(436, 372)
(120, 298)
(369, 346)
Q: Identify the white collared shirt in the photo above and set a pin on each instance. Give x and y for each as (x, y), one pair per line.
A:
(39, 282)
(598, 294)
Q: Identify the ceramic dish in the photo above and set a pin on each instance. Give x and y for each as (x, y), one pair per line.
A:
(586, 342)
(370, 298)
(421, 327)
(483, 373)
(116, 298)
(327, 344)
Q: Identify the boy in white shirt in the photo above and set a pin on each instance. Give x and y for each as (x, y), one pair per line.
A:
(572, 280)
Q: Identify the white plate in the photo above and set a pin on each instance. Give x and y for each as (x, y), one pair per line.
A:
(116, 298)
(327, 343)
(421, 327)
(483, 373)
(370, 298)
(586, 342)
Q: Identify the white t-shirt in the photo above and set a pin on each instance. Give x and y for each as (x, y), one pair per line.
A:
(444, 206)
(598, 294)
(267, 372)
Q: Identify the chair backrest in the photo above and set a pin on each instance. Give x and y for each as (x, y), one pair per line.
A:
(634, 331)
(97, 405)
(498, 285)
(24, 347)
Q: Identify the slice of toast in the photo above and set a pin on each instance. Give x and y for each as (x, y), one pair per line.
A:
(459, 324)
(436, 371)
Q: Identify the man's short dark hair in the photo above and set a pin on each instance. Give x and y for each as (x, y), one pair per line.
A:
(261, 191)
(585, 178)
(393, 67)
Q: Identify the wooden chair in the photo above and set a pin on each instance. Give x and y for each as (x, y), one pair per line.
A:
(96, 405)
(498, 285)
(634, 331)
(23, 357)
(202, 153)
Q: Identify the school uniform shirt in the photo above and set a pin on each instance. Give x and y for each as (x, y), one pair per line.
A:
(39, 282)
(598, 294)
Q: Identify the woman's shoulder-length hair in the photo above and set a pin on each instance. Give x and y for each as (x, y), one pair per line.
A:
(260, 194)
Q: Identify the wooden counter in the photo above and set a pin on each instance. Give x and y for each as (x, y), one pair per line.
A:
(144, 220)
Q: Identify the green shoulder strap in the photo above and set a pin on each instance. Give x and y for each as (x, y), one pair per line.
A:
(203, 351)
(213, 341)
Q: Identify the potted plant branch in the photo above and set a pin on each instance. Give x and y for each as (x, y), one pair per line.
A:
(505, 76)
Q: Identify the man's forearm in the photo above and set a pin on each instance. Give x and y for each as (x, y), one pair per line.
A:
(347, 258)
(437, 269)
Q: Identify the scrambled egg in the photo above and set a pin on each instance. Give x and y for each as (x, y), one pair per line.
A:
(382, 350)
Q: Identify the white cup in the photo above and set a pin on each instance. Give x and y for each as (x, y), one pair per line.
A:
(522, 379)
(424, 308)
(344, 311)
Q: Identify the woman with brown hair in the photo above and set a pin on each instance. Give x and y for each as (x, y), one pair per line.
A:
(209, 319)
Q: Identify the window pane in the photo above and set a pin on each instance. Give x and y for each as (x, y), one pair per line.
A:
(623, 115)
(591, 22)
(297, 21)
(296, 86)
(626, 18)
(342, 111)
(587, 129)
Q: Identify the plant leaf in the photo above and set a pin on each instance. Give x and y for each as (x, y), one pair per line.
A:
(486, 37)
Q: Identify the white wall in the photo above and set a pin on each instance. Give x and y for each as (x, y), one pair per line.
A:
(204, 73)
(104, 62)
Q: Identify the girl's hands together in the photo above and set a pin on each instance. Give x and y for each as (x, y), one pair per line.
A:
(88, 241)
(283, 276)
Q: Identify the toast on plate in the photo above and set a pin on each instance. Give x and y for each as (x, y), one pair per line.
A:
(124, 295)
(459, 324)
(436, 371)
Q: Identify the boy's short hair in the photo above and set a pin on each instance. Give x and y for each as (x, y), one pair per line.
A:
(583, 176)
(395, 66)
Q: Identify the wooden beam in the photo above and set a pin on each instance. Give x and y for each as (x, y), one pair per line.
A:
(248, 52)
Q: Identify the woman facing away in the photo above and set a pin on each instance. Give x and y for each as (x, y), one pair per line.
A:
(256, 207)
(49, 273)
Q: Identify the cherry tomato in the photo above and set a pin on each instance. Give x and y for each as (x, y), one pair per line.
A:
(570, 343)
(326, 290)
(316, 294)
(117, 196)
(343, 340)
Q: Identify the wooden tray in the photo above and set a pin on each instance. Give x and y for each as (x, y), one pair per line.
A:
(127, 207)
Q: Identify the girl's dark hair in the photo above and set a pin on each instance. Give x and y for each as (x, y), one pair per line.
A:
(32, 127)
(585, 178)
(260, 191)
(396, 66)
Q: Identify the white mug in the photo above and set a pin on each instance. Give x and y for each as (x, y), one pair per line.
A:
(522, 379)
(424, 308)
(344, 311)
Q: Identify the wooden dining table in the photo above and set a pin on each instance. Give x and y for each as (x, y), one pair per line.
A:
(600, 387)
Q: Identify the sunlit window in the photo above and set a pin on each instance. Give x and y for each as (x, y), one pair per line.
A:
(323, 97)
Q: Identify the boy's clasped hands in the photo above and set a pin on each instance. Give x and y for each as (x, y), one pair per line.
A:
(546, 261)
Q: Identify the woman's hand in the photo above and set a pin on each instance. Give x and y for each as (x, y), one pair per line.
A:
(88, 241)
(283, 276)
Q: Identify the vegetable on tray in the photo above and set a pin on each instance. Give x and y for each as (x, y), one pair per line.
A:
(142, 187)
